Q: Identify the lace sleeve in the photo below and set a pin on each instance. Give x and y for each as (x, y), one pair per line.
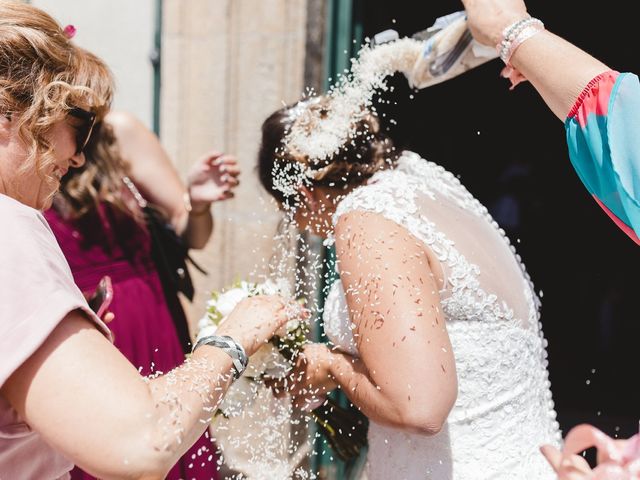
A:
(383, 196)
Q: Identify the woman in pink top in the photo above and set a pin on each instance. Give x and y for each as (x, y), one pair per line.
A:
(67, 395)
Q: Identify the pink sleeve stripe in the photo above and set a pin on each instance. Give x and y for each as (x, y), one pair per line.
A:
(594, 98)
(623, 226)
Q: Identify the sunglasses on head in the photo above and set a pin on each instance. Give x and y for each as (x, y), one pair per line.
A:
(84, 129)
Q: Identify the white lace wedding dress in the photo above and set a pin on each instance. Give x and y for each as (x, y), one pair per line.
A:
(504, 410)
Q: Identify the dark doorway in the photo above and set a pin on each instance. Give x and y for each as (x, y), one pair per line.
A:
(509, 150)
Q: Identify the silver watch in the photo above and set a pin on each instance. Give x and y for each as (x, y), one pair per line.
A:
(230, 347)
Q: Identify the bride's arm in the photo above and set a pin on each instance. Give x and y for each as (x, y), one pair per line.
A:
(406, 374)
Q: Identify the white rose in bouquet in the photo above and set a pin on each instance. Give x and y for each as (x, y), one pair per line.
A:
(227, 301)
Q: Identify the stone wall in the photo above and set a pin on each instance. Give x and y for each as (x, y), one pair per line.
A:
(226, 65)
(121, 33)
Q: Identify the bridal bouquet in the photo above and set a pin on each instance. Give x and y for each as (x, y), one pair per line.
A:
(257, 433)
(249, 405)
(273, 360)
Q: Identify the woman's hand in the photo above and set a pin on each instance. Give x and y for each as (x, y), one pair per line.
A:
(212, 179)
(617, 459)
(311, 379)
(571, 467)
(255, 319)
(488, 18)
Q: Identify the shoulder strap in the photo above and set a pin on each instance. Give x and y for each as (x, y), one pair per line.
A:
(135, 192)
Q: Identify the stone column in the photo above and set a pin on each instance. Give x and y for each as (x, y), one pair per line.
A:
(226, 65)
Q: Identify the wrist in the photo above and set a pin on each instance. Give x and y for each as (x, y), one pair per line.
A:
(229, 346)
(329, 363)
(200, 211)
(195, 209)
(503, 24)
(248, 344)
(515, 34)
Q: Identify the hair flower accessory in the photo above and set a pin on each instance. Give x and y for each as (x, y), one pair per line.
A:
(69, 31)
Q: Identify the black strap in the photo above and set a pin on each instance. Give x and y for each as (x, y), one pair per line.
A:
(170, 255)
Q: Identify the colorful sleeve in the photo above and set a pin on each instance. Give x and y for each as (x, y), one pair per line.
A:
(603, 136)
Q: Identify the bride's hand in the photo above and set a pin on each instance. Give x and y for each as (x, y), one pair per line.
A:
(311, 379)
(255, 319)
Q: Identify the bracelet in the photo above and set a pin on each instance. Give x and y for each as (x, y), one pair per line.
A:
(509, 29)
(515, 34)
(232, 348)
(525, 34)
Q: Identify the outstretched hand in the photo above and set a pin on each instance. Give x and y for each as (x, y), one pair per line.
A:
(212, 178)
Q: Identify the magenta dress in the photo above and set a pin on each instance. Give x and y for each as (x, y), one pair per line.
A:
(109, 242)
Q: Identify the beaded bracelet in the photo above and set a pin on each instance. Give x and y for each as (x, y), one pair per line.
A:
(525, 34)
(515, 34)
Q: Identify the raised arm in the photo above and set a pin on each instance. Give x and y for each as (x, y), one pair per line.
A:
(88, 402)
(212, 178)
(557, 69)
(405, 376)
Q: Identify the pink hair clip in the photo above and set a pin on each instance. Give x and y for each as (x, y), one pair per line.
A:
(69, 31)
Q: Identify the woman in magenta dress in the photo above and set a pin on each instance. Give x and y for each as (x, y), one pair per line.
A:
(99, 224)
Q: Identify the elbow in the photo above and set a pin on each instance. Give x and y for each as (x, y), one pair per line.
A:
(138, 469)
(153, 467)
(427, 417)
(423, 423)
(153, 462)
(140, 460)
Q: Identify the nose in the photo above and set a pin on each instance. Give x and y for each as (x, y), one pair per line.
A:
(77, 160)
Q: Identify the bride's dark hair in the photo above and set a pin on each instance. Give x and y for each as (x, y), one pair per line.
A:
(368, 151)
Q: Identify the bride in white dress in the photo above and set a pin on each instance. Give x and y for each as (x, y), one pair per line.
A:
(434, 321)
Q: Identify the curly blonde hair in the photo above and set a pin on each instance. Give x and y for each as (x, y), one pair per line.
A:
(367, 151)
(43, 75)
(98, 180)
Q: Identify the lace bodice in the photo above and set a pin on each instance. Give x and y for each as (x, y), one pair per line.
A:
(504, 410)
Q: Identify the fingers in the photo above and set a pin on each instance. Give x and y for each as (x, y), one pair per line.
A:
(226, 163)
(222, 162)
(568, 467)
(227, 166)
(294, 310)
(553, 456)
(211, 156)
(229, 170)
(230, 181)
